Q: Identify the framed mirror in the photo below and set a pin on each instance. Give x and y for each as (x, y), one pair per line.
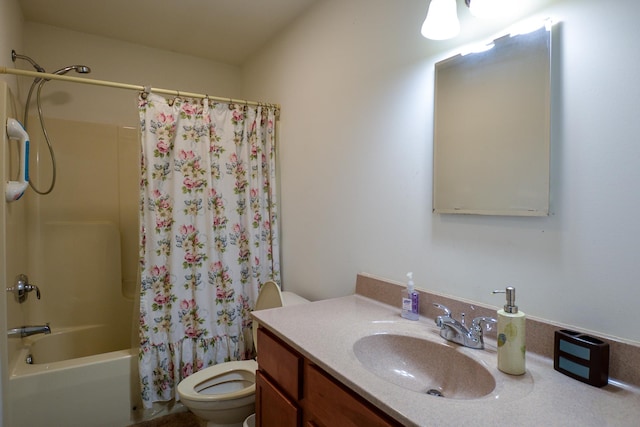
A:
(492, 129)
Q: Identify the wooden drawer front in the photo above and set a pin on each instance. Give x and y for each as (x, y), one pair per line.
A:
(274, 409)
(281, 363)
(331, 405)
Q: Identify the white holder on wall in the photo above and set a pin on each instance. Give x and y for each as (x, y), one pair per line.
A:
(15, 189)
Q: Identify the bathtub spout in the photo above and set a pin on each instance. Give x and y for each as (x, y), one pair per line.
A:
(25, 331)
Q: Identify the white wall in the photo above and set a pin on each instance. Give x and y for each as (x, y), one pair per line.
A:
(112, 60)
(355, 82)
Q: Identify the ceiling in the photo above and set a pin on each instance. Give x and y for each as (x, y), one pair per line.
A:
(228, 31)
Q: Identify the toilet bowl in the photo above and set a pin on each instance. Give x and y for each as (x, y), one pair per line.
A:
(224, 394)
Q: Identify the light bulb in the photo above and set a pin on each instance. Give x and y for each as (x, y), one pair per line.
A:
(442, 20)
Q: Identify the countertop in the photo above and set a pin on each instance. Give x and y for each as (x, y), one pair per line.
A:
(325, 333)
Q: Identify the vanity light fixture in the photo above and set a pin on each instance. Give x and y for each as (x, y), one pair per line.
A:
(441, 22)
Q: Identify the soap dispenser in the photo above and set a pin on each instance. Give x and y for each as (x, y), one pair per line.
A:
(511, 335)
(410, 300)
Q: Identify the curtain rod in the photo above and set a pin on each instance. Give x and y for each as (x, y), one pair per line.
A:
(35, 74)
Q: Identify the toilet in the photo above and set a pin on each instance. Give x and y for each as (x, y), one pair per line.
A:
(224, 394)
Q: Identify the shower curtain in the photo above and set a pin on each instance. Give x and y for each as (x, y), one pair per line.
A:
(208, 234)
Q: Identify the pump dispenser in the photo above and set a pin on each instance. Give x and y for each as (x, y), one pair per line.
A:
(410, 300)
(511, 335)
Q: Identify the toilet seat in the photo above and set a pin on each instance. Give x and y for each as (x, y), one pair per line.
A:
(227, 386)
(221, 382)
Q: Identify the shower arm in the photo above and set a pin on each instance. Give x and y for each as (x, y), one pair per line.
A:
(35, 65)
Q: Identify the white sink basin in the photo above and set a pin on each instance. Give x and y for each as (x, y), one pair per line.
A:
(424, 366)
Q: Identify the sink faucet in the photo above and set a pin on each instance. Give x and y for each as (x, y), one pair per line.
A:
(456, 331)
(25, 331)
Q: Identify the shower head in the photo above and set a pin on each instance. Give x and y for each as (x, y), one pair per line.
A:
(15, 56)
(39, 83)
(82, 69)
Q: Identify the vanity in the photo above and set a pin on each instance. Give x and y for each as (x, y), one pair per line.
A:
(291, 390)
(354, 361)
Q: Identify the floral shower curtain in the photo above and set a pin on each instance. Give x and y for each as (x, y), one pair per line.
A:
(208, 234)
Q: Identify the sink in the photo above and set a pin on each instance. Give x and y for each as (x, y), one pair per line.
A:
(424, 366)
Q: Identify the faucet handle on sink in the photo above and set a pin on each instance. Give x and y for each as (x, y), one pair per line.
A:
(447, 312)
(440, 320)
(477, 323)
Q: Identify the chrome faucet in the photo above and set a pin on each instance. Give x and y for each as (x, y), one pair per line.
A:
(25, 331)
(456, 331)
(22, 288)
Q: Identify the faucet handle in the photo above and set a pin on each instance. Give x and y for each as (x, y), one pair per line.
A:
(440, 319)
(476, 324)
(23, 287)
(447, 312)
(29, 287)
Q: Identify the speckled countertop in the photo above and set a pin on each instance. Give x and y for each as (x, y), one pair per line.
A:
(325, 332)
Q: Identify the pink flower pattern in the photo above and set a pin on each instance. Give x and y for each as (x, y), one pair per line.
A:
(208, 214)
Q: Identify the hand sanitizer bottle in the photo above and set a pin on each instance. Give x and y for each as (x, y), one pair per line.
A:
(410, 300)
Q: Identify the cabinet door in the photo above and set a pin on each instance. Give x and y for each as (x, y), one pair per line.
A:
(282, 364)
(329, 404)
(273, 408)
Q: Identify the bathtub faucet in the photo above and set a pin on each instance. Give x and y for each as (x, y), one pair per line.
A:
(25, 331)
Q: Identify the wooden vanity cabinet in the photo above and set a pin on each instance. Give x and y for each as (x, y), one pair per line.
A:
(273, 406)
(329, 403)
(278, 383)
(292, 391)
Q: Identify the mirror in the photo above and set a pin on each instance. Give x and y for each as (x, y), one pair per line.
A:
(492, 129)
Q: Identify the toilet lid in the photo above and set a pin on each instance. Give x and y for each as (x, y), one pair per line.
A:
(269, 297)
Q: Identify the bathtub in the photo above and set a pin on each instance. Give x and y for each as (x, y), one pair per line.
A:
(80, 376)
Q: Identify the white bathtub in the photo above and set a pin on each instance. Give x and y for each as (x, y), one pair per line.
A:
(80, 377)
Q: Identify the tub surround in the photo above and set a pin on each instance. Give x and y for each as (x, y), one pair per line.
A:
(542, 396)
